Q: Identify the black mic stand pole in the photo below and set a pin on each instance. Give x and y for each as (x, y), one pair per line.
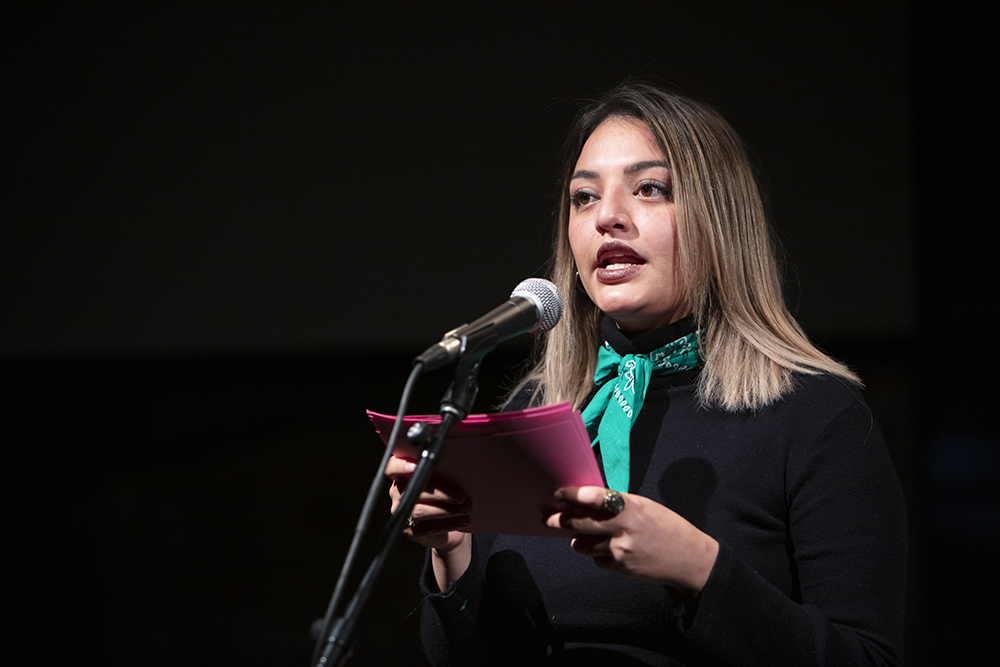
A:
(455, 406)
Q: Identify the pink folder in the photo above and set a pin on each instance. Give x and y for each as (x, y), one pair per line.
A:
(509, 464)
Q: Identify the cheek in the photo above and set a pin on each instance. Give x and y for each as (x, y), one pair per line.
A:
(576, 243)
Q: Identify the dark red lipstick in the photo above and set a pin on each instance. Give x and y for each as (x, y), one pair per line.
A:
(617, 262)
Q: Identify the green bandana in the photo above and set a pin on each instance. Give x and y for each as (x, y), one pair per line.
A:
(616, 404)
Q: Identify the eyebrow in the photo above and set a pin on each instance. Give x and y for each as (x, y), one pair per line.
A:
(631, 169)
(646, 164)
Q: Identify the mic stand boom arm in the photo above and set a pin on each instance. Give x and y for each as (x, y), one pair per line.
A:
(455, 406)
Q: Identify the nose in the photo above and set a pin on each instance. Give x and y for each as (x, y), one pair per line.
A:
(613, 213)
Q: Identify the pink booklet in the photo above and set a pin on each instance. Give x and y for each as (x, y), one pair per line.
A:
(509, 463)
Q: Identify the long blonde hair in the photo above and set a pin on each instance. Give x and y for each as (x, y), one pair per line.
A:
(751, 344)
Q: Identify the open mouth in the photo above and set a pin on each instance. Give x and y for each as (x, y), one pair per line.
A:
(616, 255)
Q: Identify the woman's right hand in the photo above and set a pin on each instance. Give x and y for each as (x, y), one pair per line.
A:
(438, 516)
(439, 513)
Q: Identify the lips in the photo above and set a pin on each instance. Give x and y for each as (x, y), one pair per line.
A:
(617, 263)
(615, 255)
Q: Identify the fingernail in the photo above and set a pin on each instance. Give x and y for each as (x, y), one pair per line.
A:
(410, 466)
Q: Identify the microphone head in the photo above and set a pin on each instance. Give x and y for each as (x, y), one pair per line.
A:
(546, 298)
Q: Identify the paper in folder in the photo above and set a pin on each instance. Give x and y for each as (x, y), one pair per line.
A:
(509, 463)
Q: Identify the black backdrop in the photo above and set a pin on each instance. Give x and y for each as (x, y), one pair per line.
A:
(226, 230)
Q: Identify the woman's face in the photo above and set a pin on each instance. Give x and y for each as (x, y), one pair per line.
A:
(622, 227)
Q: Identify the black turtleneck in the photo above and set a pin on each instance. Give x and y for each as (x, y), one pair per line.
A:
(806, 507)
(648, 421)
(644, 342)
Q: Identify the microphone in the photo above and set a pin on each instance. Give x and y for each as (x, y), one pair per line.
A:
(534, 306)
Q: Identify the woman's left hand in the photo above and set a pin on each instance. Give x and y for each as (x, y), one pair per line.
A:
(646, 540)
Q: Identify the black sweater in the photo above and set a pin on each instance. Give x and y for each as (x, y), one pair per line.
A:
(809, 516)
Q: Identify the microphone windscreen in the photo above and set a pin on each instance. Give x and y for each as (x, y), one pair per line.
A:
(546, 298)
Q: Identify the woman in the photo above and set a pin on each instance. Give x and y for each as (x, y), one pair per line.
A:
(762, 522)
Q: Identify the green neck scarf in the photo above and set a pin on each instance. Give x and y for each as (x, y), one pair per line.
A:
(617, 403)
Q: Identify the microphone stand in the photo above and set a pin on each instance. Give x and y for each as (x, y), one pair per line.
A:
(455, 406)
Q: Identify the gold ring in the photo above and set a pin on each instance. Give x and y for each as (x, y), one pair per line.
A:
(613, 502)
(411, 523)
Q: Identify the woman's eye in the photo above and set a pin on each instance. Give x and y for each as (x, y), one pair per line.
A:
(653, 190)
(581, 198)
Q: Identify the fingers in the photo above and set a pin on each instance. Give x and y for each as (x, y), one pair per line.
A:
(592, 545)
(427, 511)
(440, 512)
(584, 519)
(430, 528)
(436, 503)
(435, 524)
(441, 496)
(433, 504)
(442, 534)
(586, 511)
(591, 496)
(450, 499)
(398, 467)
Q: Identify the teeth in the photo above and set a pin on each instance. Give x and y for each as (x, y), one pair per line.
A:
(618, 266)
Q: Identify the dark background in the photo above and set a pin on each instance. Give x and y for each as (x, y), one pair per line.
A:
(227, 228)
